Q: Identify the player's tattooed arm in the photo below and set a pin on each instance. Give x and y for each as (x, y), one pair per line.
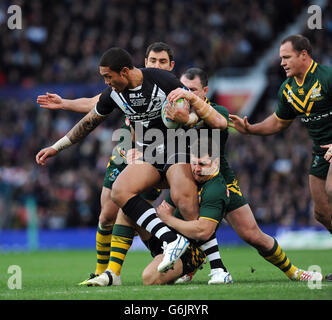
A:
(85, 126)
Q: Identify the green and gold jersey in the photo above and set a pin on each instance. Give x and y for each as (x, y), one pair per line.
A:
(311, 101)
(213, 197)
(226, 170)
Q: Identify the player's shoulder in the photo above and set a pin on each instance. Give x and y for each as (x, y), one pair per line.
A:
(155, 73)
(324, 68)
(324, 71)
(214, 187)
(221, 109)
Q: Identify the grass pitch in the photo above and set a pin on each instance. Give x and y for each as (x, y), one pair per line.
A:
(54, 275)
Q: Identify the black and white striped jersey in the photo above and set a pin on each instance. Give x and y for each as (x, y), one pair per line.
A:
(141, 105)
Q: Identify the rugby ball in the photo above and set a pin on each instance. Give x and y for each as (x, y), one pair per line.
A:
(169, 123)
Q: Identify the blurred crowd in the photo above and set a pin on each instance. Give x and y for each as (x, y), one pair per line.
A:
(62, 41)
(64, 44)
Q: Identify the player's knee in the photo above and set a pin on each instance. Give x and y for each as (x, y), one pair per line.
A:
(148, 277)
(106, 221)
(187, 205)
(117, 194)
(320, 215)
(108, 213)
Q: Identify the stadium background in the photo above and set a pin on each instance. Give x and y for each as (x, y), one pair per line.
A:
(57, 50)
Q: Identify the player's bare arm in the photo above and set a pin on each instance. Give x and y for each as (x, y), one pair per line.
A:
(203, 110)
(270, 125)
(53, 101)
(201, 229)
(85, 126)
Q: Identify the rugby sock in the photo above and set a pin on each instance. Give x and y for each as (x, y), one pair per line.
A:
(146, 217)
(103, 247)
(122, 238)
(211, 249)
(277, 257)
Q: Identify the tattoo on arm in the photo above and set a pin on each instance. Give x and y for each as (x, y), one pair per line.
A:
(85, 126)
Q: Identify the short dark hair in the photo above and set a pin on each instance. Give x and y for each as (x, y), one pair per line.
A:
(205, 146)
(191, 73)
(116, 59)
(158, 47)
(299, 43)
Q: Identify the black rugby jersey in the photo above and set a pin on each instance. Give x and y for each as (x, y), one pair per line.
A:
(142, 105)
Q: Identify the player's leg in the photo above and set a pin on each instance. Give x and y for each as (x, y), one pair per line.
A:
(219, 273)
(151, 276)
(122, 238)
(107, 216)
(107, 219)
(189, 262)
(183, 190)
(244, 224)
(322, 209)
(135, 179)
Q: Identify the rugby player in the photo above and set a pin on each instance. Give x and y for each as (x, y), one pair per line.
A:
(139, 93)
(238, 212)
(158, 55)
(305, 94)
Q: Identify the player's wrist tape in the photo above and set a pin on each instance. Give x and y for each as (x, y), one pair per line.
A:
(193, 118)
(61, 144)
(206, 113)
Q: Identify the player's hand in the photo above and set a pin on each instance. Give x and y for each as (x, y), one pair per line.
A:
(179, 93)
(164, 210)
(328, 153)
(44, 154)
(179, 115)
(50, 101)
(241, 125)
(133, 155)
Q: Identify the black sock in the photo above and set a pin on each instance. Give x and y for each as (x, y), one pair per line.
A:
(146, 217)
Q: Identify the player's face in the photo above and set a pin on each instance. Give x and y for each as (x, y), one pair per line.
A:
(291, 60)
(195, 86)
(118, 81)
(202, 168)
(159, 60)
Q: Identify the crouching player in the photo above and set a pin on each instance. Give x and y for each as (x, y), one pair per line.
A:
(213, 199)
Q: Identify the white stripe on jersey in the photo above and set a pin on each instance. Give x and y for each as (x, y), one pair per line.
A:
(158, 97)
(117, 99)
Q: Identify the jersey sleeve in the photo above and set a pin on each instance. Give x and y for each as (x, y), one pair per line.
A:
(213, 202)
(284, 111)
(105, 105)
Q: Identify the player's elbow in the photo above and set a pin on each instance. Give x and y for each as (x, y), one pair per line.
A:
(203, 233)
(218, 122)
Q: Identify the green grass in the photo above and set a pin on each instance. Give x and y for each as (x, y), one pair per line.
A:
(53, 275)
